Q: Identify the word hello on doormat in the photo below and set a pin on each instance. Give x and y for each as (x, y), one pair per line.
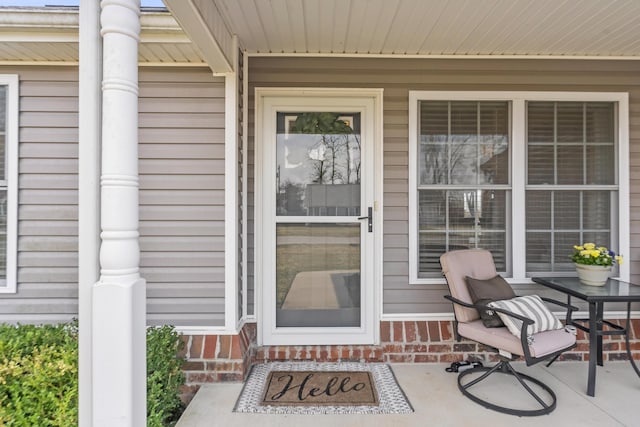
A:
(319, 388)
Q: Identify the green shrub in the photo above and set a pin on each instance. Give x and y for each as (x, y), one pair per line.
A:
(39, 376)
(164, 377)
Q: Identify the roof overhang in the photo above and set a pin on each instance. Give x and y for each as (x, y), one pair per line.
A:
(205, 25)
(210, 32)
(50, 36)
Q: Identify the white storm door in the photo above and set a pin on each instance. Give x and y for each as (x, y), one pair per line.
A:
(316, 219)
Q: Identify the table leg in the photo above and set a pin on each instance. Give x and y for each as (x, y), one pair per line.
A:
(599, 316)
(626, 340)
(593, 349)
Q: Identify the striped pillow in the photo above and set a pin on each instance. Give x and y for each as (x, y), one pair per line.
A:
(530, 306)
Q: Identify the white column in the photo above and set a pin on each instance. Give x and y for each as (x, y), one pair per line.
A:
(119, 312)
(89, 128)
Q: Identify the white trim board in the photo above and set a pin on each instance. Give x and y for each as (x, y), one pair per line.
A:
(245, 191)
(400, 317)
(434, 56)
(409, 317)
(11, 171)
(231, 196)
(205, 330)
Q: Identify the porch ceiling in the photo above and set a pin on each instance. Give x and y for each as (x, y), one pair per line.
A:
(607, 28)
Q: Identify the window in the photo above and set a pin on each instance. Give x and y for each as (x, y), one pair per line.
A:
(8, 181)
(526, 175)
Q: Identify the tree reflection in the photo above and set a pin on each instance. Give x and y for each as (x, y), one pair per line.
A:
(336, 154)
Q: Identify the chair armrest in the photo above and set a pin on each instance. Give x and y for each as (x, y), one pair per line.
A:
(459, 302)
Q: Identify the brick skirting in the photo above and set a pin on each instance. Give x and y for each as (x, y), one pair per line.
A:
(228, 358)
(216, 358)
(433, 341)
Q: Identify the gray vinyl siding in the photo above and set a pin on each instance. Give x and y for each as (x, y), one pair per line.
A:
(182, 195)
(48, 197)
(181, 150)
(397, 77)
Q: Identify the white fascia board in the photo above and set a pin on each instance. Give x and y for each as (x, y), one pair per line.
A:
(55, 26)
(38, 18)
(41, 18)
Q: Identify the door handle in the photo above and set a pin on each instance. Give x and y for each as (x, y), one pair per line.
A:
(369, 219)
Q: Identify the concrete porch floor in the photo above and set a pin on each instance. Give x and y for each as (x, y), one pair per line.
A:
(435, 397)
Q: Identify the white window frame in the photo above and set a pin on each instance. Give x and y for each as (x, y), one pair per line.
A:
(11, 183)
(518, 116)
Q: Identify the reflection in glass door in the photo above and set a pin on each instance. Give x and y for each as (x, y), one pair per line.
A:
(317, 227)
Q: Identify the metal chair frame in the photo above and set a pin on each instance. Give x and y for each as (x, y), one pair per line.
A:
(504, 366)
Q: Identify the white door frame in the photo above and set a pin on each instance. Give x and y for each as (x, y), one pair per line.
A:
(369, 103)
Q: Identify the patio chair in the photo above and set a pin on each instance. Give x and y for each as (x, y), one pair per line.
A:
(534, 344)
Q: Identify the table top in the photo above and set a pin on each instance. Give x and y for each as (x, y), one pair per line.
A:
(613, 290)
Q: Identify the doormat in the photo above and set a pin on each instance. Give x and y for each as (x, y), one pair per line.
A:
(322, 388)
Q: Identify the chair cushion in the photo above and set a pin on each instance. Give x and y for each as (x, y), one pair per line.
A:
(544, 343)
(486, 291)
(530, 306)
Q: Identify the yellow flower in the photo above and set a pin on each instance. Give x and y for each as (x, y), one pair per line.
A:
(591, 254)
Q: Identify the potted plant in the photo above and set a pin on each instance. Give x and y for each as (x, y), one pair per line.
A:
(594, 263)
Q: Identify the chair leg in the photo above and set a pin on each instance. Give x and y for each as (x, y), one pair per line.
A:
(504, 367)
(456, 335)
(520, 378)
(552, 360)
(483, 376)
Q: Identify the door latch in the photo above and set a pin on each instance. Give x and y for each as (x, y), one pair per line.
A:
(369, 219)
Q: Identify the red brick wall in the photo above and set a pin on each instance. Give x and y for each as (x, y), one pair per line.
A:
(217, 358)
(220, 358)
(433, 341)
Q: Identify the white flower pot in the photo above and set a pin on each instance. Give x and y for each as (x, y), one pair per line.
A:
(593, 275)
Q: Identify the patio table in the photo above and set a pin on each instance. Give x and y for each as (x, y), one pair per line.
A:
(613, 291)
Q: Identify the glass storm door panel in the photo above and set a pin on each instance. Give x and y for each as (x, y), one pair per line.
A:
(316, 225)
(317, 174)
(317, 275)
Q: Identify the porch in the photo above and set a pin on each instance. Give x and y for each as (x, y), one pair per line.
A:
(434, 395)
(196, 171)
